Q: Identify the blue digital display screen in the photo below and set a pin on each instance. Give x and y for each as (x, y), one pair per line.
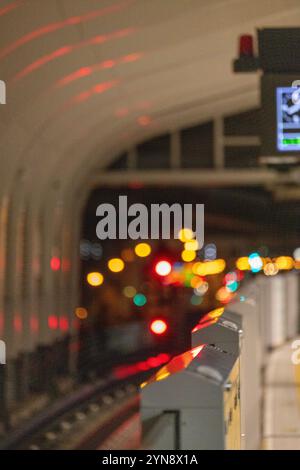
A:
(288, 119)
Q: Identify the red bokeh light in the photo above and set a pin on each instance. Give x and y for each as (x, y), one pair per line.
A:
(55, 263)
(158, 326)
(144, 120)
(34, 324)
(18, 323)
(53, 322)
(163, 268)
(124, 371)
(63, 324)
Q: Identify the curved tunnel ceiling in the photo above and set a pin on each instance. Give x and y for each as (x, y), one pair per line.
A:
(87, 79)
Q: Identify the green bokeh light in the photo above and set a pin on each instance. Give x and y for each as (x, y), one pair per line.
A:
(139, 300)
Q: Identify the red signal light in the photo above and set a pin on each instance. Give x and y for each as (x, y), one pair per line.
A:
(55, 263)
(158, 326)
(163, 268)
(246, 45)
(63, 323)
(53, 322)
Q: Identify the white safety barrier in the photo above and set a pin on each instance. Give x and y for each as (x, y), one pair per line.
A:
(268, 309)
(245, 304)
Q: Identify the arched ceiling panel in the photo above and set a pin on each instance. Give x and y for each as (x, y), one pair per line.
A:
(87, 78)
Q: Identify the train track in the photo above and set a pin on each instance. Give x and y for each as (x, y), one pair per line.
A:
(82, 420)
